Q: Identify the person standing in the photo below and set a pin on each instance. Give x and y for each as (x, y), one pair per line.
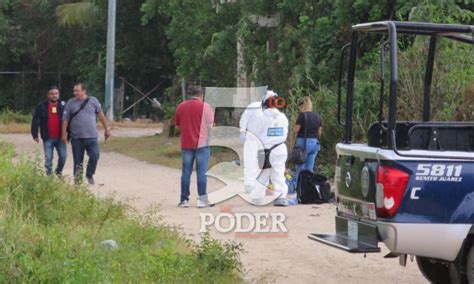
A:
(47, 118)
(80, 118)
(194, 118)
(252, 113)
(271, 128)
(309, 120)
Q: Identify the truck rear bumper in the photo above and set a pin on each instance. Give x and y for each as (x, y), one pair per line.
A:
(442, 241)
(351, 236)
(344, 243)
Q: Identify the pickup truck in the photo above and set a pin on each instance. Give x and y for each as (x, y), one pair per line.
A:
(411, 186)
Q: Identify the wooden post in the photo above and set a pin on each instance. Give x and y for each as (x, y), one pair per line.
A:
(118, 100)
(135, 107)
(23, 94)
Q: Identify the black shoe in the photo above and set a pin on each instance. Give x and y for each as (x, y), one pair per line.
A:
(184, 204)
(91, 180)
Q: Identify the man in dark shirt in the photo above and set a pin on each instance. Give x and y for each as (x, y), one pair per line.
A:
(47, 118)
(194, 119)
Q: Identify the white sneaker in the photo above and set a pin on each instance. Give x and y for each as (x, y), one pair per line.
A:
(202, 204)
(248, 189)
(258, 201)
(280, 202)
(184, 204)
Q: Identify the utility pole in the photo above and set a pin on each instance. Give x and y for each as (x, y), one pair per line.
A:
(110, 60)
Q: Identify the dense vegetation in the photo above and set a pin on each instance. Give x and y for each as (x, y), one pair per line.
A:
(55, 40)
(51, 232)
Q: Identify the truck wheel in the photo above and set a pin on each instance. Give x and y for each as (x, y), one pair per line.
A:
(470, 266)
(435, 272)
(455, 274)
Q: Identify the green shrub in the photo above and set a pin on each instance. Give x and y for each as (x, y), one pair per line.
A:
(53, 232)
(8, 116)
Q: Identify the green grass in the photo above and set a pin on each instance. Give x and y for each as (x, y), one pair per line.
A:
(8, 117)
(161, 150)
(17, 122)
(15, 128)
(14, 122)
(51, 232)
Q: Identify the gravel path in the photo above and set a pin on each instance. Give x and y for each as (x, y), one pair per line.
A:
(291, 258)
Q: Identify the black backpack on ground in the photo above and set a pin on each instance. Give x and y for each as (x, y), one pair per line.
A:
(313, 188)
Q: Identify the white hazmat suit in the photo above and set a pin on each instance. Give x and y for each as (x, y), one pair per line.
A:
(251, 143)
(271, 129)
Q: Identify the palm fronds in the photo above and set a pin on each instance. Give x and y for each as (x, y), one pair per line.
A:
(80, 13)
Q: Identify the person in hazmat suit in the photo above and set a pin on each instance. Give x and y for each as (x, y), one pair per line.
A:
(271, 130)
(251, 144)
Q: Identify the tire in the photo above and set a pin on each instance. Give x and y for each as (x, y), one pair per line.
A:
(456, 275)
(470, 266)
(434, 272)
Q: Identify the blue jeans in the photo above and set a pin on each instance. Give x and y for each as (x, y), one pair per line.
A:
(49, 146)
(312, 149)
(81, 145)
(201, 155)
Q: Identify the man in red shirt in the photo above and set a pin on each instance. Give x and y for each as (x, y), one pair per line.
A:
(194, 118)
(47, 118)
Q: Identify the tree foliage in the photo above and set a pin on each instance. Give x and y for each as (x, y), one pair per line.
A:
(79, 13)
(59, 42)
(64, 41)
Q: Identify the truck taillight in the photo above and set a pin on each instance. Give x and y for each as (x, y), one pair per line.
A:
(391, 185)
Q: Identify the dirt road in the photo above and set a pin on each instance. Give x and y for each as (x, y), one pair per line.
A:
(282, 259)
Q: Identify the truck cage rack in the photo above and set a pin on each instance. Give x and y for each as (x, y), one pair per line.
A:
(461, 33)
